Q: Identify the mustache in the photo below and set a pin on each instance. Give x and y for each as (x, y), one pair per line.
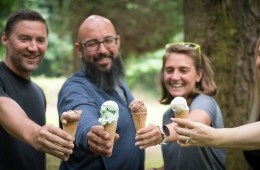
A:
(31, 55)
(102, 56)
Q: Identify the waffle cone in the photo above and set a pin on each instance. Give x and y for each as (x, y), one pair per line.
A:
(182, 114)
(70, 128)
(139, 120)
(111, 129)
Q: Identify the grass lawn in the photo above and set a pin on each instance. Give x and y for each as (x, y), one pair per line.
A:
(51, 86)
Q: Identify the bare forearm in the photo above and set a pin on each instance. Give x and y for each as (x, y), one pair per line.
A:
(15, 121)
(244, 137)
(48, 139)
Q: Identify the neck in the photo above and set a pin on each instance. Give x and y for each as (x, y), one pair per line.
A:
(25, 75)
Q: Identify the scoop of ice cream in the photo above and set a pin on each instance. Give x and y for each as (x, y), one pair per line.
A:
(137, 106)
(109, 112)
(71, 116)
(179, 104)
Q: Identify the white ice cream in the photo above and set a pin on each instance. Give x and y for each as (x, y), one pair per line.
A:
(179, 104)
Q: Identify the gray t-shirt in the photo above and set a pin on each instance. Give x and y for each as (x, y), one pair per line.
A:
(196, 158)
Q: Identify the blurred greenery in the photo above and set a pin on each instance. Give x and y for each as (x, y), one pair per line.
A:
(144, 73)
(144, 27)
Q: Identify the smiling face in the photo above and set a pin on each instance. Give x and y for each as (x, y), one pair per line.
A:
(180, 75)
(98, 29)
(25, 47)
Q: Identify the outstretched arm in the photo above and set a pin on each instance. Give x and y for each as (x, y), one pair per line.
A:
(49, 139)
(151, 135)
(243, 137)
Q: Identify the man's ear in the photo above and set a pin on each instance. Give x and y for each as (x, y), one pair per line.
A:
(78, 49)
(118, 41)
(4, 38)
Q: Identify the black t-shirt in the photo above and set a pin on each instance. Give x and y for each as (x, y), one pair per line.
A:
(253, 158)
(14, 154)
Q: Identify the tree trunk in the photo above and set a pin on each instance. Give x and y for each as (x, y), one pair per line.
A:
(227, 31)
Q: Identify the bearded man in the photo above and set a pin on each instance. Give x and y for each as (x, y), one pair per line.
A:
(100, 79)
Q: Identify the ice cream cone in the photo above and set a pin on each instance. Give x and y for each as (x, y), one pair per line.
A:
(139, 113)
(109, 114)
(111, 129)
(139, 120)
(180, 108)
(70, 121)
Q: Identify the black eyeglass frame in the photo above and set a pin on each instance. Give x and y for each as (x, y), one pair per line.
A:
(99, 42)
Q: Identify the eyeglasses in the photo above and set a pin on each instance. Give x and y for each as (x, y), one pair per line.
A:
(189, 45)
(93, 45)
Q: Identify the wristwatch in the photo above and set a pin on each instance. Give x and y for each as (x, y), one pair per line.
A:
(165, 134)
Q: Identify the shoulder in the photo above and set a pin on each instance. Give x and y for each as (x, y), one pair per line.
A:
(125, 87)
(76, 79)
(204, 102)
(203, 98)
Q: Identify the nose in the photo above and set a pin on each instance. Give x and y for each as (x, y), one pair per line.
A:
(175, 75)
(102, 48)
(33, 46)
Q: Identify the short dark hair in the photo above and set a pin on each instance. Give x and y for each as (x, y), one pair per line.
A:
(21, 15)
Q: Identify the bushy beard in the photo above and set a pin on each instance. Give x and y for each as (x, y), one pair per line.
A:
(105, 79)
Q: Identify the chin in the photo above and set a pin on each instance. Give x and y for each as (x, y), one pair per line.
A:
(176, 94)
(31, 68)
(105, 69)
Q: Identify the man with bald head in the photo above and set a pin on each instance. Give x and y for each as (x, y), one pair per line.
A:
(100, 79)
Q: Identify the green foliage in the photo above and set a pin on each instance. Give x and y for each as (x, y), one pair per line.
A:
(144, 72)
(58, 58)
(143, 26)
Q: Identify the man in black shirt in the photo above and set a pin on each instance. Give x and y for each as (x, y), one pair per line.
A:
(22, 102)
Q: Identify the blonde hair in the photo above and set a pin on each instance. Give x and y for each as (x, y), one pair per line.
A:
(206, 85)
(255, 112)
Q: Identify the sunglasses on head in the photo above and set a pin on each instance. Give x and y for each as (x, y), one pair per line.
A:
(188, 45)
